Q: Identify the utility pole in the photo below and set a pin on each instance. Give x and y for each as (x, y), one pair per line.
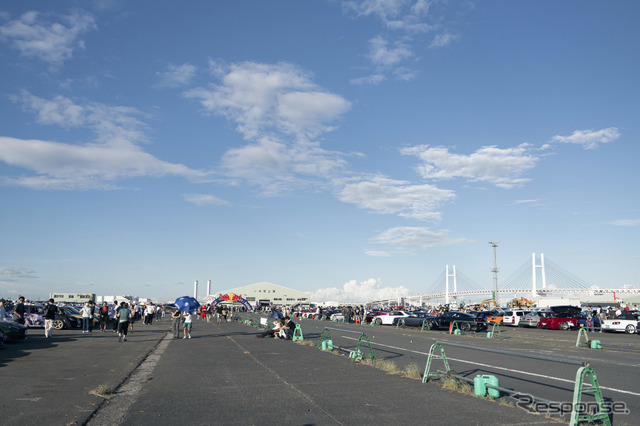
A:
(495, 270)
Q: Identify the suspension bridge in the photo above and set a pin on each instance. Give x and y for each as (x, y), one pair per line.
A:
(533, 279)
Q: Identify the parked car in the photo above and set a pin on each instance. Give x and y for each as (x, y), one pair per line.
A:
(34, 316)
(532, 319)
(561, 318)
(370, 315)
(13, 332)
(465, 321)
(416, 319)
(388, 318)
(626, 322)
(67, 317)
(496, 317)
(582, 320)
(513, 316)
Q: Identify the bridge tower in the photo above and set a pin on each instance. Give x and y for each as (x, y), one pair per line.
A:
(534, 290)
(455, 284)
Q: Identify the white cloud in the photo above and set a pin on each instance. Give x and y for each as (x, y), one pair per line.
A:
(281, 111)
(387, 196)
(112, 124)
(442, 40)
(501, 167)
(278, 98)
(405, 24)
(382, 55)
(359, 292)
(89, 166)
(377, 253)
(589, 139)
(176, 75)
(407, 236)
(626, 222)
(93, 165)
(204, 200)
(372, 80)
(51, 42)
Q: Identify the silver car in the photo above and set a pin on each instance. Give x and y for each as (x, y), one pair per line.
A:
(533, 318)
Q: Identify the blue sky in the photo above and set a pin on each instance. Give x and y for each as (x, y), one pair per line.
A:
(351, 149)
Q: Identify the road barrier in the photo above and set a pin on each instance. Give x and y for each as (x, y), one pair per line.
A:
(593, 344)
(426, 323)
(580, 385)
(400, 323)
(357, 354)
(297, 334)
(491, 334)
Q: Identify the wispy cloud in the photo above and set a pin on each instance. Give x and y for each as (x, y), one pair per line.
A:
(176, 75)
(51, 41)
(387, 196)
(372, 80)
(501, 167)
(442, 40)
(384, 55)
(377, 253)
(589, 139)
(405, 24)
(408, 236)
(204, 200)
(97, 164)
(625, 222)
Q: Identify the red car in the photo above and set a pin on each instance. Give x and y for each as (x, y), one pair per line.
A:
(561, 318)
(370, 315)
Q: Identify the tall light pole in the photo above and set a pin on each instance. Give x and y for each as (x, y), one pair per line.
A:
(495, 270)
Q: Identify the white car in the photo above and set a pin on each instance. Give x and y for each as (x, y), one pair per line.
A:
(513, 316)
(388, 319)
(626, 322)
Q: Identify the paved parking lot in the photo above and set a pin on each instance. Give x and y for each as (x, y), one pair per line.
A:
(224, 375)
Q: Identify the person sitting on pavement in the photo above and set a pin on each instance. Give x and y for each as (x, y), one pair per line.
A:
(286, 331)
(277, 325)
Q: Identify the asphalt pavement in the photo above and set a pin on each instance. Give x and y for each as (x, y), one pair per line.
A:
(223, 375)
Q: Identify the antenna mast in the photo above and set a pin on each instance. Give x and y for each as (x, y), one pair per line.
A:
(495, 269)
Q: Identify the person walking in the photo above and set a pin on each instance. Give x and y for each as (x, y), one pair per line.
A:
(188, 318)
(86, 317)
(92, 309)
(124, 315)
(176, 321)
(112, 314)
(49, 317)
(104, 316)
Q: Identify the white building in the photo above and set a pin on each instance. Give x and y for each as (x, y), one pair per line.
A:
(264, 294)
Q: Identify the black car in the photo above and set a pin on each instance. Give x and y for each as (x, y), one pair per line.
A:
(416, 319)
(66, 317)
(465, 321)
(13, 331)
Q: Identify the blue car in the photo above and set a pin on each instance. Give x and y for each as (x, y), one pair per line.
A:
(582, 320)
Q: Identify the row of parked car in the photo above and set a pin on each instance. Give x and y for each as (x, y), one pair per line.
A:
(570, 317)
(553, 318)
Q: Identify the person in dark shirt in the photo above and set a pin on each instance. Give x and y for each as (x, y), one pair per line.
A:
(49, 317)
(18, 311)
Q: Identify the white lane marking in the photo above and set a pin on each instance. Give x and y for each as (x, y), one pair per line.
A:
(499, 368)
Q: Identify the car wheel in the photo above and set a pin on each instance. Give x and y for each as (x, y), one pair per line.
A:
(630, 329)
(378, 321)
(465, 326)
(58, 324)
(564, 326)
